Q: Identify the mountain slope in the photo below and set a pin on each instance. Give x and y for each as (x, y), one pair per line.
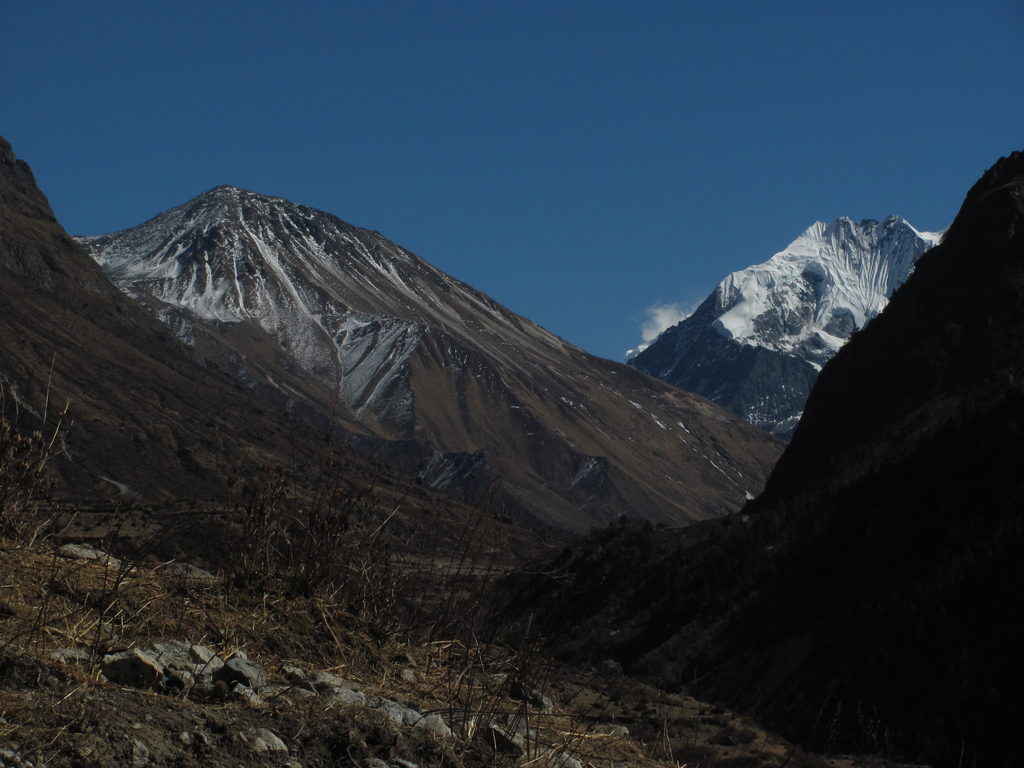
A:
(758, 341)
(427, 373)
(921, 499)
(150, 421)
(867, 599)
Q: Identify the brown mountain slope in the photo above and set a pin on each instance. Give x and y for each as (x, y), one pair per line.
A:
(150, 421)
(440, 379)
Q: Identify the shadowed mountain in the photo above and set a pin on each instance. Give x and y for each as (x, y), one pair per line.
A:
(426, 373)
(866, 600)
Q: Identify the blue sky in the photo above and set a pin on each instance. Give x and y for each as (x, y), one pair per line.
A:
(578, 161)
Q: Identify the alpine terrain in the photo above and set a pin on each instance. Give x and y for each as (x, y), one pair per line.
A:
(757, 343)
(212, 580)
(146, 420)
(426, 373)
(866, 600)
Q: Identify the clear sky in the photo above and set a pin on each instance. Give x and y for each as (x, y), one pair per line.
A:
(578, 161)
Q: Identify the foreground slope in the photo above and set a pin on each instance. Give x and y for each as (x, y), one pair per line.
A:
(757, 342)
(429, 374)
(868, 598)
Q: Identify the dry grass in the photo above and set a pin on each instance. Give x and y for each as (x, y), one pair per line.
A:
(315, 585)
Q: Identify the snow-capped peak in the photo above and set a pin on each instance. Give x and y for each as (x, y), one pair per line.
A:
(810, 297)
(757, 342)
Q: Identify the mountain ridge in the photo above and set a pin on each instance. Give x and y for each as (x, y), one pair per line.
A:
(424, 371)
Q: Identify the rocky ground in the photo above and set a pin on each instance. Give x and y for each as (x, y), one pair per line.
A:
(107, 661)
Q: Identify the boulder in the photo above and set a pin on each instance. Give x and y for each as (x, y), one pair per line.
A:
(85, 552)
(399, 714)
(435, 726)
(347, 696)
(238, 669)
(244, 693)
(135, 668)
(186, 665)
(264, 742)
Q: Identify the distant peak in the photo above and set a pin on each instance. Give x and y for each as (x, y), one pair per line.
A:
(223, 192)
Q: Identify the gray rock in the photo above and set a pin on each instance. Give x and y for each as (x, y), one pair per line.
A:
(298, 677)
(565, 760)
(435, 726)
(348, 697)
(245, 693)
(186, 665)
(324, 682)
(171, 652)
(619, 731)
(238, 669)
(409, 675)
(202, 655)
(317, 681)
(85, 552)
(397, 713)
(264, 742)
(205, 665)
(135, 668)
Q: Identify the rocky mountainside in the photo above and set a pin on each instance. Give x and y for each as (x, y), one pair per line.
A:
(862, 601)
(757, 342)
(425, 372)
(152, 429)
(149, 420)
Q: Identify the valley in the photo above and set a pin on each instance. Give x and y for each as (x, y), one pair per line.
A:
(276, 491)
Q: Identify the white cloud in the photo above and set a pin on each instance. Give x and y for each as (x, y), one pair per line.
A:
(659, 318)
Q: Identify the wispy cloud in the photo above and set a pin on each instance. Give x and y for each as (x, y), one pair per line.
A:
(659, 317)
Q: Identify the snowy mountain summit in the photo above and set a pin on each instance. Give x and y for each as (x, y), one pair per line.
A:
(425, 373)
(758, 341)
